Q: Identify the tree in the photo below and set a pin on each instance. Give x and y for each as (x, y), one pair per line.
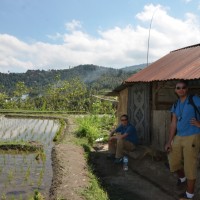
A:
(20, 89)
(3, 98)
(67, 95)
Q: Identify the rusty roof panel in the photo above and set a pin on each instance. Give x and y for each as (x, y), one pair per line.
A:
(179, 64)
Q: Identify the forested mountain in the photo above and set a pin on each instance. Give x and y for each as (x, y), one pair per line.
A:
(75, 89)
(96, 77)
(134, 67)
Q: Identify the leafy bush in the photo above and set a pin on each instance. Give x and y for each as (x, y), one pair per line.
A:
(93, 127)
(101, 107)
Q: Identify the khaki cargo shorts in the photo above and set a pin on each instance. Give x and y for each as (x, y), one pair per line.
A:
(184, 155)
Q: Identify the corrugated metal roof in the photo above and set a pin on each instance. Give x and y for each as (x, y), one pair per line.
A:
(179, 64)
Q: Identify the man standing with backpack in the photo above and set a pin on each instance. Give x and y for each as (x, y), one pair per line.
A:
(184, 138)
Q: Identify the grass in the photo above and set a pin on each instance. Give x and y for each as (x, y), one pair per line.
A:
(20, 146)
(6, 111)
(94, 191)
(93, 127)
(89, 129)
(59, 133)
(37, 196)
(10, 176)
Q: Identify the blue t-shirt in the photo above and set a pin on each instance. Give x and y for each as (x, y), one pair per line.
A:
(130, 129)
(184, 112)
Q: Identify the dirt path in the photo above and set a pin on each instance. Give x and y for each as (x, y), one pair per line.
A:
(146, 179)
(137, 183)
(69, 169)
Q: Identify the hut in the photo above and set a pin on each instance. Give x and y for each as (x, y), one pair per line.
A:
(148, 95)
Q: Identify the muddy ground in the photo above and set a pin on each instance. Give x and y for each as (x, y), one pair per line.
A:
(146, 179)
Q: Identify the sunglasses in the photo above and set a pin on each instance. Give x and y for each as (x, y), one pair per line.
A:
(181, 88)
(123, 120)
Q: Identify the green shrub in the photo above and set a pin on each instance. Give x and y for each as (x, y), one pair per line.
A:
(94, 126)
(101, 107)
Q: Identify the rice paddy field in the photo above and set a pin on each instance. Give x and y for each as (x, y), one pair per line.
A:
(23, 172)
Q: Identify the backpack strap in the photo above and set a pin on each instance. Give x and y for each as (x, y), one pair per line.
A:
(174, 105)
(191, 101)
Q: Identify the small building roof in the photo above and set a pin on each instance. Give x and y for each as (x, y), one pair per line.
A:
(116, 90)
(183, 63)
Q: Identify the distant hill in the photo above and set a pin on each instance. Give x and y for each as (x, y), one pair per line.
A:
(134, 67)
(96, 77)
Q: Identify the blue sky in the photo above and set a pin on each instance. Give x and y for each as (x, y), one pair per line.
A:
(56, 34)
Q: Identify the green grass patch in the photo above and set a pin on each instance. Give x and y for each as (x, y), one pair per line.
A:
(89, 129)
(11, 113)
(21, 146)
(37, 196)
(60, 131)
(6, 111)
(93, 127)
(94, 191)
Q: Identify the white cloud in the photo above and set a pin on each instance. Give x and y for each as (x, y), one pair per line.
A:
(115, 47)
(55, 37)
(73, 25)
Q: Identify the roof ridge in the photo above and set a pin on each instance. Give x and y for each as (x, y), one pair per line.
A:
(187, 47)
